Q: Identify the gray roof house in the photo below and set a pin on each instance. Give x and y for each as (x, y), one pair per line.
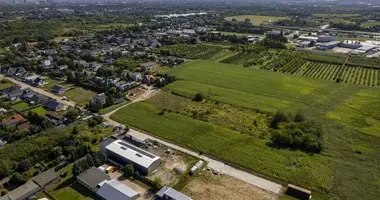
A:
(45, 178)
(28, 93)
(16, 71)
(58, 89)
(100, 99)
(92, 177)
(10, 89)
(54, 105)
(115, 190)
(149, 65)
(38, 99)
(15, 94)
(24, 191)
(168, 193)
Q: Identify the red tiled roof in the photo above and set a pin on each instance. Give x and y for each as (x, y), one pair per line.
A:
(12, 120)
(24, 126)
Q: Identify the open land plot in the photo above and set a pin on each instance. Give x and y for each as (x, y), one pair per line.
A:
(50, 83)
(228, 145)
(255, 19)
(20, 106)
(369, 24)
(41, 111)
(208, 186)
(346, 168)
(5, 85)
(79, 95)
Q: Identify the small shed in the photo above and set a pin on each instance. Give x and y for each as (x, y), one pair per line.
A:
(298, 192)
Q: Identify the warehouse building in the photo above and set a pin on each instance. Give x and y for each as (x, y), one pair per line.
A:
(168, 193)
(124, 153)
(326, 38)
(329, 45)
(115, 190)
(92, 178)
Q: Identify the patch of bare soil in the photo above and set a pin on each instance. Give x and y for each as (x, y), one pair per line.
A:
(214, 187)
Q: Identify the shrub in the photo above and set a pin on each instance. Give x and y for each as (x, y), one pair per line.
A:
(198, 97)
(3, 192)
(306, 135)
(128, 170)
(278, 118)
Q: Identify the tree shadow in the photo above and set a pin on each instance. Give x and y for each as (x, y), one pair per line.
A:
(284, 147)
(66, 183)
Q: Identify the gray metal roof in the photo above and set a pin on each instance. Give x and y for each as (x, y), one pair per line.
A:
(24, 191)
(45, 177)
(132, 153)
(172, 193)
(115, 190)
(93, 177)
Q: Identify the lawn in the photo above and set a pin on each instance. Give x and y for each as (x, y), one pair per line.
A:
(20, 106)
(68, 188)
(256, 19)
(50, 83)
(60, 39)
(79, 95)
(5, 85)
(41, 111)
(346, 168)
(369, 24)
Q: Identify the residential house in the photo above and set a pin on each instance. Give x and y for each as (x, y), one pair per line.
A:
(136, 77)
(24, 126)
(38, 81)
(149, 79)
(115, 190)
(11, 89)
(12, 120)
(16, 94)
(100, 99)
(123, 85)
(92, 177)
(53, 105)
(168, 193)
(45, 178)
(109, 60)
(149, 65)
(16, 71)
(47, 64)
(38, 99)
(62, 67)
(67, 48)
(95, 66)
(58, 89)
(25, 191)
(27, 93)
(55, 118)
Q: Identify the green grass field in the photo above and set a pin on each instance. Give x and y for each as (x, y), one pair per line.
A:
(41, 111)
(79, 95)
(346, 168)
(256, 19)
(20, 106)
(5, 85)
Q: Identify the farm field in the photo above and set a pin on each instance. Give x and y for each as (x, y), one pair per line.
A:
(226, 144)
(200, 51)
(255, 19)
(336, 173)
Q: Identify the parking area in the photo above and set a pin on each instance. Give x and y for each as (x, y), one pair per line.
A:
(138, 186)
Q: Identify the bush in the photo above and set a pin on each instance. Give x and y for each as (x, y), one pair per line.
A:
(278, 118)
(198, 97)
(17, 178)
(306, 135)
(3, 193)
(128, 170)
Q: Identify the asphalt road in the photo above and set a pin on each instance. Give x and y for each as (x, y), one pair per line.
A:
(43, 92)
(213, 164)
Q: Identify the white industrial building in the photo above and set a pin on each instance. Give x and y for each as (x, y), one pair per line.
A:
(168, 193)
(124, 153)
(115, 190)
(307, 38)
